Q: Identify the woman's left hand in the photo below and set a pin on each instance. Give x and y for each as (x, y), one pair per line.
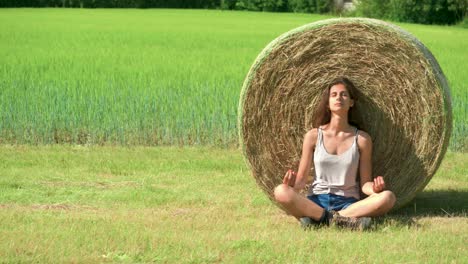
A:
(379, 184)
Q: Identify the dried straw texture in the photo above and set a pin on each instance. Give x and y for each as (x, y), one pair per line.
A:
(403, 100)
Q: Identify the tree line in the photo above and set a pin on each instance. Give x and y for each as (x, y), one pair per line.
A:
(416, 11)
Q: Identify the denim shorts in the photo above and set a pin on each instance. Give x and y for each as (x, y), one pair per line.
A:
(332, 201)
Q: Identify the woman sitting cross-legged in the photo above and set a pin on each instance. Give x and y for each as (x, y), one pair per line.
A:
(338, 151)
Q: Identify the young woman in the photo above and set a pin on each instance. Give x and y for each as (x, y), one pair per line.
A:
(338, 151)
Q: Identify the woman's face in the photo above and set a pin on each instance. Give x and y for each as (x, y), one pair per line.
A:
(339, 99)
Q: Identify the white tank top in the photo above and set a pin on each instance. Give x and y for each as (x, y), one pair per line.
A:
(336, 174)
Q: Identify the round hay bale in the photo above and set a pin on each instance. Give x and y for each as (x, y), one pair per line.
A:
(403, 101)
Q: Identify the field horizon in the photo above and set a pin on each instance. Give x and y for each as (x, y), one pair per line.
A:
(155, 77)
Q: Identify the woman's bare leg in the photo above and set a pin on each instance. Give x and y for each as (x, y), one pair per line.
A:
(296, 204)
(374, 205)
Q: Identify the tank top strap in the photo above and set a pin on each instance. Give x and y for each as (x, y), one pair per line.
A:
(319, 137)
(356, 135)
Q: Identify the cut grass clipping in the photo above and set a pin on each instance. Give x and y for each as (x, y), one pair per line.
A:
(403, 100)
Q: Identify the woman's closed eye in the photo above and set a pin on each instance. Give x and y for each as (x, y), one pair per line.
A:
(342, 94)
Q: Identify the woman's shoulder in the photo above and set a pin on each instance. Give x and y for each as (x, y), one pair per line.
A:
(312, 132)
(311, 135)
(364, 139)
(364, 135)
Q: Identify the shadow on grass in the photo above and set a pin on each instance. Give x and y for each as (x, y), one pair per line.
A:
(434, 203)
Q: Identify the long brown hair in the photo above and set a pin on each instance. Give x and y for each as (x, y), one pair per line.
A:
(323, 114)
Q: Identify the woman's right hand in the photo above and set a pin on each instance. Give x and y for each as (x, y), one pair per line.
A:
(379, 184)
(290, 178)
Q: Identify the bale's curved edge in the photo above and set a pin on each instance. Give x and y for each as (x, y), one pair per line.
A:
(437, 72)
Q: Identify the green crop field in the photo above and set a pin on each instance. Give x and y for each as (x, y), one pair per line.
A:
(155, 77)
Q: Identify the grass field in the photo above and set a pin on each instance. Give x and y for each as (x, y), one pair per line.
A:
(155, 77)
(199, 205)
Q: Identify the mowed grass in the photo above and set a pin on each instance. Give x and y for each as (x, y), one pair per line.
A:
(155, 77)
(199, 205)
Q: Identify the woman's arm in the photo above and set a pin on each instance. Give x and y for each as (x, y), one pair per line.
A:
(368, 186)
(365, 162)
(305, 164)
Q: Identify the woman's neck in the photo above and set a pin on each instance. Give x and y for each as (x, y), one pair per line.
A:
(338, 123)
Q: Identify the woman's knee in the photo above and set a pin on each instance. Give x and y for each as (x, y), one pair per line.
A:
(388, 198)
(283, 194)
